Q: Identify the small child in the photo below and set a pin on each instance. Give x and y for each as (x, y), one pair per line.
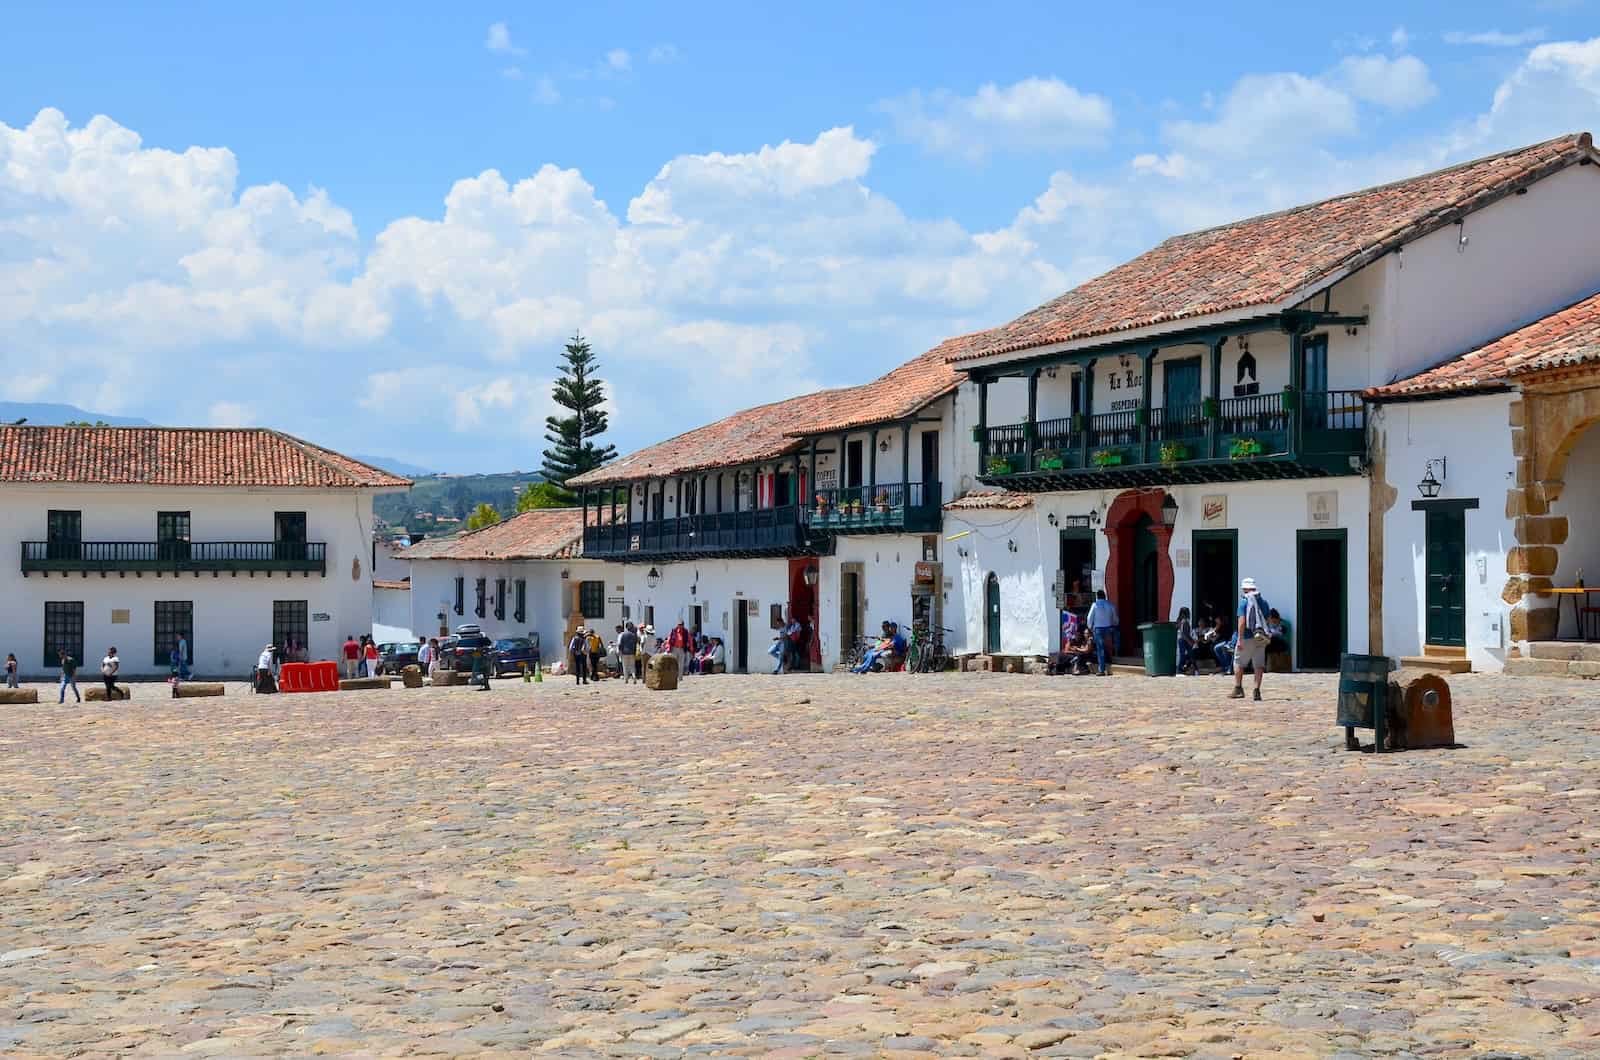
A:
(11, 670)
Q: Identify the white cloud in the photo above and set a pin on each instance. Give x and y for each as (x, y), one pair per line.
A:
(1400, 83)
(1399, 40)
(124, 267)
(1033, 114)
(231, 414)
(545, 92)
(665, 53)
(619, 59)
(1495, 38)
(1270, 113)
(499, 40)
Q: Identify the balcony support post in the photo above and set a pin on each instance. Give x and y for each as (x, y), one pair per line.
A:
(1086, 385)
(843, 460)
(1148, 379)
(1297, 380)
(905, 471)
(1031, 428)
(677, 508)
(811, 475)
(983, 426)
(1214, 423)
(872, 466)
(627, 529)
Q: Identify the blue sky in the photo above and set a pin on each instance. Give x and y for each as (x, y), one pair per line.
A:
(373, 225)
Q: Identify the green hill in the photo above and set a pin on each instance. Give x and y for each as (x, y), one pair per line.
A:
(435, 501)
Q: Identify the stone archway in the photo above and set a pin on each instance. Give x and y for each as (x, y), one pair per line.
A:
(1551, 418)
(1133, 513)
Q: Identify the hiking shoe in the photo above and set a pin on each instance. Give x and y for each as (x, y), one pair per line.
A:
(1257, 695)
(1237, 693)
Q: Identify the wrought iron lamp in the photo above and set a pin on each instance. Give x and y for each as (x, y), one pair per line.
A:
(1429, 486)
(811, 576)
(1169, 511)
(1051, 519)
(652, 578)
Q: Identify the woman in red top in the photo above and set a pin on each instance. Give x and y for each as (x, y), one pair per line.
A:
(372, 657)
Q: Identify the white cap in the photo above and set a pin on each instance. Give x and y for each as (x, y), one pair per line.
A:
(1248, 585)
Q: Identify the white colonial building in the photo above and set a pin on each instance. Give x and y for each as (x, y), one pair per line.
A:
(1205, 412)
(524, 577)
(131, 536)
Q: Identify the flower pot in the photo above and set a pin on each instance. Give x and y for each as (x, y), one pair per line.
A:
(1211, 408)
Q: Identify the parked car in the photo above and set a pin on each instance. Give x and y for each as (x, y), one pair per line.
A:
(513, 654)
(393, 657)
(458, 651)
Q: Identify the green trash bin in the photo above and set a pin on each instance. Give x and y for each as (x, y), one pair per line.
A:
(1160, 648)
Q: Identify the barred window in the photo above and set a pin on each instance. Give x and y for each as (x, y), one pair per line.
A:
(174, 619)
(63, 630)
(461, 596)
(291, 629)
(521, 613)
(482, 586)
(500, 598)
(592, 599)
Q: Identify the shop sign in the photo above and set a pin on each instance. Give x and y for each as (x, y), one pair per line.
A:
(1214, 510)
(1322, 509)
(924, 572)
(322, 616)
(1184, 557)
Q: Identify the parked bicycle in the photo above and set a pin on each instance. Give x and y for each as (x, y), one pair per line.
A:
(926, 653)
(851, 656)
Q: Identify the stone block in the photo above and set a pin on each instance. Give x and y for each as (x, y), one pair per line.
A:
(1519, 443)
(358, 684)
(1584, 669)
(1547, 491)
(661, 673)
(19, 695)
(1555, 649)
(198, 689)
(446, 678)
(1539, 560)
(1542, 530)
(1536, 623)
(1515, 415)
(411, 676)
(97, 693)
(1537, 667)
(1512, 591)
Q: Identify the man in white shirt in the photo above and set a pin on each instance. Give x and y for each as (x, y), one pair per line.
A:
(424, 655)
(108, 671)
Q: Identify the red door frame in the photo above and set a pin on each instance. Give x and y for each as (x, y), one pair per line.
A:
(1121, 520)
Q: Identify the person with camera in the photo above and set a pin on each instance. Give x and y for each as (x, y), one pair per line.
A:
(1250, 645)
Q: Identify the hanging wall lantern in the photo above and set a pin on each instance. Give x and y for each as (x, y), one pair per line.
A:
(1429, 486)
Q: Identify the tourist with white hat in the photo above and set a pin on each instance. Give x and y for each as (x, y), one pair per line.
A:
(1250, 645)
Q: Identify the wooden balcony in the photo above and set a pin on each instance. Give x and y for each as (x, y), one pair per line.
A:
(888, 508)
(1282, 435)
(780, 531)
(174, 557)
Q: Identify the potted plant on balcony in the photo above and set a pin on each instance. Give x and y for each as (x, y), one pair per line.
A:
(1107, 457)
(1244, 448)
(822, 505)
(1172, 452)
(1211, 408)
(999, 465)
(882, 502)
(1286, 399)
(855, 507)
(1050, 460)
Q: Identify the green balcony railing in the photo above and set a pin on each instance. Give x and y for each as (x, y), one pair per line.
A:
(910, 507)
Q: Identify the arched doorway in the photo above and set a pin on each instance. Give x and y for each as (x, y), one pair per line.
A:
(991, 614)
(1139, 574)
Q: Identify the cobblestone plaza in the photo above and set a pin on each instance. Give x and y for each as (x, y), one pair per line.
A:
(891, 865)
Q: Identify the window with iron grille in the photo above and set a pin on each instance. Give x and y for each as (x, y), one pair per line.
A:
(592, 599)
(461, 596)
(63, 535)
(63, 630)
(500, 598)
(482, 586)
(174, 619)
(172, 535)
(291, 629)
(521, 613)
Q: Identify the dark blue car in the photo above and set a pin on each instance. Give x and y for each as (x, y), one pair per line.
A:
(512, 654)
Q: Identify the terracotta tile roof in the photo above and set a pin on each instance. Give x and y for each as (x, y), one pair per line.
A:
(760, 433)
(769, 431)
(179, 456)
(382, 584)
(1269, 260)
(990, 500)
(544, 533)
(897, 394)
(1565, 338)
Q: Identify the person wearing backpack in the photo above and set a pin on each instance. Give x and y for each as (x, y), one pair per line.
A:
(596, 648)
(1250, 644)
(578, 648)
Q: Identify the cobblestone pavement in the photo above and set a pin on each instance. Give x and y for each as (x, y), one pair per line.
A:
(889, 865)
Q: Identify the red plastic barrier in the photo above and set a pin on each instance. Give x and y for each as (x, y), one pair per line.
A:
(309, 677)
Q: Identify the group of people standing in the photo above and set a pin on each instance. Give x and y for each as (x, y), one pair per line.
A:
(360, 656)
(591, 658)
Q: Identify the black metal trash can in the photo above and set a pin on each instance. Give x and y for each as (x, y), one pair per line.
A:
(1364, 695)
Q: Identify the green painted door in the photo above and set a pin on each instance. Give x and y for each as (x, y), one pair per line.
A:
(1447, 576)
(991, 612)
(1181, 383)
(1146, 582)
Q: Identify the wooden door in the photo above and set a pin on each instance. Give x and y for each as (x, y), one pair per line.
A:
(1446, 567)
(991, 612)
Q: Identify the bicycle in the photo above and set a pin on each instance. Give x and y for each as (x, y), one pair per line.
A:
(926, 653)
(851, 657)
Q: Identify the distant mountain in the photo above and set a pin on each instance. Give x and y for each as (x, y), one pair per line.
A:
(397, 467)
(48, 414)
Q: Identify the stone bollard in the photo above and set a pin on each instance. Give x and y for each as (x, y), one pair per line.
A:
(411, 676)
(19, 695)
(661, 673)
(193, 689)
(97, 693)
(355, 684)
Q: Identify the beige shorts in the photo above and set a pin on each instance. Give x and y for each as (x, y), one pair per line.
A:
(1251, 650)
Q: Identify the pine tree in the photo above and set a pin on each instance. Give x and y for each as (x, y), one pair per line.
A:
(572, 449)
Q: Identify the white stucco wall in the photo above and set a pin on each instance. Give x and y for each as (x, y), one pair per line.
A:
(713, 585)
(391, 615)
(1471, 433)
(549, 597)
(1266, 516)
(232, 612)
